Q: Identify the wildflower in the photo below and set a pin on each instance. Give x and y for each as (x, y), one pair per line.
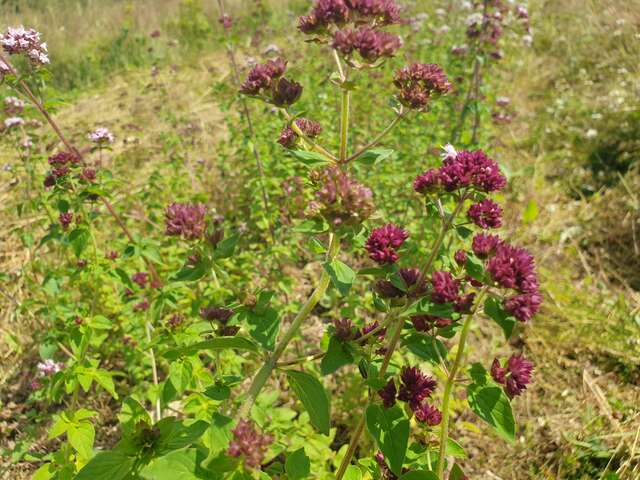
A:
(503, 101)
(330, 11)
(88, 174)
(460, 50)
(419, 83)
(65, 219)
(175, 321)
(101, 136)
(471, 169)
(344, 329)
(383, 243)
(428, 414)
(186, 220)
(219, 314)
(386, 289)
(448, 151)
(381, 12)
(486, 214)
(426, 323)
(288, 137)
(141, 306)
(515, 376)
(262, 75)
(249, 443)
(415, 387)
(13, 105)
(226, 21)
(513, 267)
(523, 306)
(445, 287)
(460, 257)
(427, 182)
(484, 245)
(112, 255)
(340, 199)
(370, 328)
(49, 367)
(140, 278)
(369, 43)
(63, 158)
(21, 41)
(285, 92)
(464, 303)
(11, 122)
(388, 394)
(4, 70)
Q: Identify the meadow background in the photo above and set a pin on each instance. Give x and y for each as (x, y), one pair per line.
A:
(156, 73)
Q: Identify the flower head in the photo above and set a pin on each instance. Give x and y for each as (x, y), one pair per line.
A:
(288, 137)
(427, 182)
(388, 394)
(65, 219)
(419, 83)
(21, 41)
(484, 245)
(428, 414)
(344, 329)
(486, 214)
(140, 278)
(186, 220)
(12, 122)
(471, 169)
(371, 44)
(460, 257)
(101, 136)
(49, 367)
(384, 242)
(523, 306)
(249, 443)
(515, 376)
(13, 105)
(219, 314)
(513, 267)
(226, 21)
(445, 287)
(285, 92)
(262, 76)
(340, 199)
(415, 387)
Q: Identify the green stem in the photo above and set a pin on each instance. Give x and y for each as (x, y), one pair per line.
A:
(377, 139)
(448, 388)
(154, 371)
(270, 364)
(344, 124)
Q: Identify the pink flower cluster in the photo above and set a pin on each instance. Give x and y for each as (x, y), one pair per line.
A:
(186, 220)
(415, 389)
(463, 169)
(21, 41)
(267, 79)
(328, 14)
(248, 443)
(61, 164)
(13, 106)
(288, 137)
(419, 83)
(49, 367)
(515, 376)
(101, 136)
(384, 242)
(340, 199)
(486, 214)
(371, 44)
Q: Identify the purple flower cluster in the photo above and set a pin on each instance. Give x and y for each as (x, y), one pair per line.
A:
(140, 278)
(445, 288)
(267, 79)
(186, 220)
(288, 137)
(247, 442)
(419, 83)
(468, 169)
(219, 314)
(21, 41)
(484, 245)
(486, 214)
(427, 182)
(336, 13)
(515, 376)
(226, 21)
(101, 136)
(340, 199)
(371, 44)
(61, 164)
(344, 329)
(65, 219)
(384, 242)
(415, 389)
(428, 323)
(13, 106)
(387, 289)
(49, 367)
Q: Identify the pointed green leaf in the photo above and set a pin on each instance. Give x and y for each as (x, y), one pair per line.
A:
(341, 275)
(311, 393)
(297, 465)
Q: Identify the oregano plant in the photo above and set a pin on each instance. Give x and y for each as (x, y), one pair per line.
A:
(218, 376)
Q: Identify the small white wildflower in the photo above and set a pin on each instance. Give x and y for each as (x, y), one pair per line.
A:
(101, 136)
(49, 367)
(527, 40)
(591, 133)
(13, 122)
(448, 152)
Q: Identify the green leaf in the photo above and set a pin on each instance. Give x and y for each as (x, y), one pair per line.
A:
(426, 307)
(426, 347)
(78, 239)
(131, 414)
(375, 155)
(341, 275)
(338, 355)
(179, 465)
(494, 310)
(264, 325)
(310, 159)
(352, 473)
(81, 438)
(297, 465)
(226, 247)
(45, 472)
(105, 380)
(454, 449)
(530, 212)
(218, 343)
(218, 392)
(180, 374)
(113, 465)
(175, 435)
(219, 433)
(419, 475)
(191, 273)
(311, 393)
(491, 404)
(457, 473)
(474, 268)
(390, 429)
(311, 226)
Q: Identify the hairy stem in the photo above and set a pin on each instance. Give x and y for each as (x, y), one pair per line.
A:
(378, 138)
(270, 364)
(448, 388)
(154, 371)
(344, 109)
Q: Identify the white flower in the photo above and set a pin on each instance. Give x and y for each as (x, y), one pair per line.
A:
(49, 367)
(448, 152)
(527, 40)
(13, 122)
(101, 136)
(474, 19)
(503, 101)
(591, 133)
